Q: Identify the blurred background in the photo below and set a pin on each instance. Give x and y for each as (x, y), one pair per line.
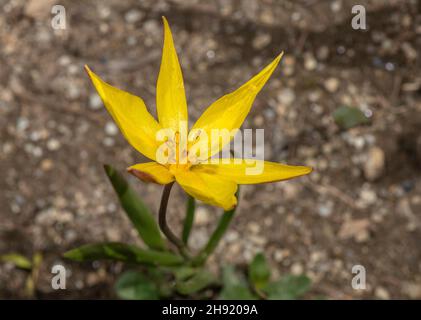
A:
(344, 101)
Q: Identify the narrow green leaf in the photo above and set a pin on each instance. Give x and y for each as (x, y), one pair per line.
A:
(347, 117)
(288, 288)
(198, 281)
(188, 221)
(136, 210)
(18, 260)
(235, 287)
(259, 271)
(122, 252)
(136, 286)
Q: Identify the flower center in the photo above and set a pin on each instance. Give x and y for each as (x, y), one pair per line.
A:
(181, 159)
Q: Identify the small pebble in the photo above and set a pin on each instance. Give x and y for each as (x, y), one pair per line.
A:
(310, 63)
(108, 142)
(367, 196)
(375, 163)
(261, 41)
(111, 129)
(133, 16)
(325, 209)
(201, 216)
(297, 269)
(53, 144)
(259, 121)
(331, 84)
(323, 53)
(254, 227)
(95, 102)
(73, 91)
(22, 124)
(382, 293)
(46, 164)
(286, 96)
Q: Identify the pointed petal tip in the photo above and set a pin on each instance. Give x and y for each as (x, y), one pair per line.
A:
(302, 170)
(272, 66)
(309, 169)
(87, 69)
(277, 59)
(166, 24)
(306, 170)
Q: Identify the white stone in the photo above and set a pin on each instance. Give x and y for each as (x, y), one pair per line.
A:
(133, 16)
(286, 96)
(374, 166)
(53, 144)
(332, 84)
(95, 101)
(111, 129)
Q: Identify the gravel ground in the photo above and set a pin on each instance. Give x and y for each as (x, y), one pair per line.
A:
(361, 205)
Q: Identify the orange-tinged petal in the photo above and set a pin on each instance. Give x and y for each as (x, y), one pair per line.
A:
(151, 172)
(228, 112)
(170, 95)
(129, 112)
(247, 171)
(208, 188)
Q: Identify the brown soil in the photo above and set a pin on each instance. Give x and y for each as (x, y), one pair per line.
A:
(55, 136)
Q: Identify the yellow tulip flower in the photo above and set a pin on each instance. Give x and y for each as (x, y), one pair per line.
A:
(215, 184)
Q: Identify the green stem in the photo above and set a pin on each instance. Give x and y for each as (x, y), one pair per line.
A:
(188, 222)
(162, 219)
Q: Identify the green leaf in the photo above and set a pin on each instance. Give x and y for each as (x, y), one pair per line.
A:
(18, 260)
(136, 210)
(198, 281)
(122, 252)
(237, 293)
(188, 221)
(183, 273)
(288, 288)
(235, 287)
(347, 117)
(259, 271)
(136, 286)
(160, 276)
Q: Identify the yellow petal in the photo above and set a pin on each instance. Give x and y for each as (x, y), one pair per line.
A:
(129, 112)
(170, 96)
(251, 171)
(208, 188)
(151, 172)
(229, 112)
